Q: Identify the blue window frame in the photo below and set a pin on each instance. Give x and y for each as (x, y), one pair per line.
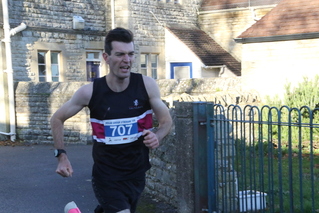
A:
(181, 70)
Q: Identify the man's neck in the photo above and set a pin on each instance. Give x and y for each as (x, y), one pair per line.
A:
(117, 84)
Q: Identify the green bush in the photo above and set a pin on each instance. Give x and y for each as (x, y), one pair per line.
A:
(306, 94)
(302, 103)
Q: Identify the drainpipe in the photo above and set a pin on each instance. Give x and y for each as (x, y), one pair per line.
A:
(113, 13)
(9, 70)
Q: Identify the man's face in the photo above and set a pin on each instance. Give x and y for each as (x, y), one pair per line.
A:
(121, 59)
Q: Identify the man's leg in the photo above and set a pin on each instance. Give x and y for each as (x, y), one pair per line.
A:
(110, 196)
(98, 209)
(116, 195)
(71, 208)
(125, 211)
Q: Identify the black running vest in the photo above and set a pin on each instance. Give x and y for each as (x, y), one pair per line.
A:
(117, 120)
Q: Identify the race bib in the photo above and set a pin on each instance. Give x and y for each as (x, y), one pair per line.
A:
(121, 131)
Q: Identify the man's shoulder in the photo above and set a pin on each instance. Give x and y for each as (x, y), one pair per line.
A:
(136, 75)
(100, 79)
(85, 92)
(148, 80)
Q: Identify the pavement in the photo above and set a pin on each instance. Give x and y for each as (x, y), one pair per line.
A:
(29, 184)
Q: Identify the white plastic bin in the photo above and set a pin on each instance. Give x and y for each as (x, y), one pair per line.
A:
(251, 200)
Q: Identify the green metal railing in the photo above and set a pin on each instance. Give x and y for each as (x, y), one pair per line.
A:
(258, 159)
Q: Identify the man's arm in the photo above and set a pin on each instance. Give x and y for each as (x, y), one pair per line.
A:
(161, 112)
(79, 100)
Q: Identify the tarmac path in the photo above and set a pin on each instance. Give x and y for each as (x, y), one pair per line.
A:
(29, 184)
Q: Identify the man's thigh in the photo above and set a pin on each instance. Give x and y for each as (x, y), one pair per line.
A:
(118, 196)
(125, 211)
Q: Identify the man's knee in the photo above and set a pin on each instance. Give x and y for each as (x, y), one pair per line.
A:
(125, 211)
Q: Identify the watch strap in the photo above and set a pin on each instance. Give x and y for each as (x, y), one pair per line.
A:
(58, 152)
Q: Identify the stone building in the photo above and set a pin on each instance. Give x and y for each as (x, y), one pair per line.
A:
(62, 41)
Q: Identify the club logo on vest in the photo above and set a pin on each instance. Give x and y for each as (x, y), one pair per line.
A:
(136, 105)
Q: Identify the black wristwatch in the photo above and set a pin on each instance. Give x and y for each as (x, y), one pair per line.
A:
(58, 152)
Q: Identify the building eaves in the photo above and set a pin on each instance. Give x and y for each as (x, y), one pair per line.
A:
(209, 5)
(289, 20)
(207, 50)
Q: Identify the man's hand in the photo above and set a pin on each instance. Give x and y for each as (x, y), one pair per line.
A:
(150, 139)
(64, 166)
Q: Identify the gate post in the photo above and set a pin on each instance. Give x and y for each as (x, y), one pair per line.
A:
(191, 157)
(200, 157)
(206, 180)
(184, 157)
(204, 158)
(214, 176)
(211, 158)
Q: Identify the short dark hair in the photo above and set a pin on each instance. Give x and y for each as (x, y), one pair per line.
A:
(117, 34)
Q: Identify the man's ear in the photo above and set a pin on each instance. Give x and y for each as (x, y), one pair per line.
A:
(105, 56)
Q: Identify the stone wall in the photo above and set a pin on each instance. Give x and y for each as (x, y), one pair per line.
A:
(164, 14)
(224, 91)
(162, 178)
(35, 104)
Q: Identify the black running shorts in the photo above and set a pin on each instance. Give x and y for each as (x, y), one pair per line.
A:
(115, 196)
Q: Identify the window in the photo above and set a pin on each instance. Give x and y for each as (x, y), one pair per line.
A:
(41, 66)
(181, 70)
(48, 62)
(171, 1)
(149, 65)
(48, 66)
(154, 62)
(93, 64)
(55, 66)
(144, 63)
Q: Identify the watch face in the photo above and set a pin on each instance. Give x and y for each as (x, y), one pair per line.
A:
(56, 152)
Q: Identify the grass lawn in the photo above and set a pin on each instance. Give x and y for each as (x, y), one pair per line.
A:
(289, 177)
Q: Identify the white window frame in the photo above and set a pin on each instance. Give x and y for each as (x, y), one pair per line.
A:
(149, 70)
(48, 65)
(48, 48)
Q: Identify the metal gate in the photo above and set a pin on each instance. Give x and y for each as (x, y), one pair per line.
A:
(251, 159)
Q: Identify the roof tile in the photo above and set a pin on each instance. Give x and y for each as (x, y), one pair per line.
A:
(287, 18)
(211, 53)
